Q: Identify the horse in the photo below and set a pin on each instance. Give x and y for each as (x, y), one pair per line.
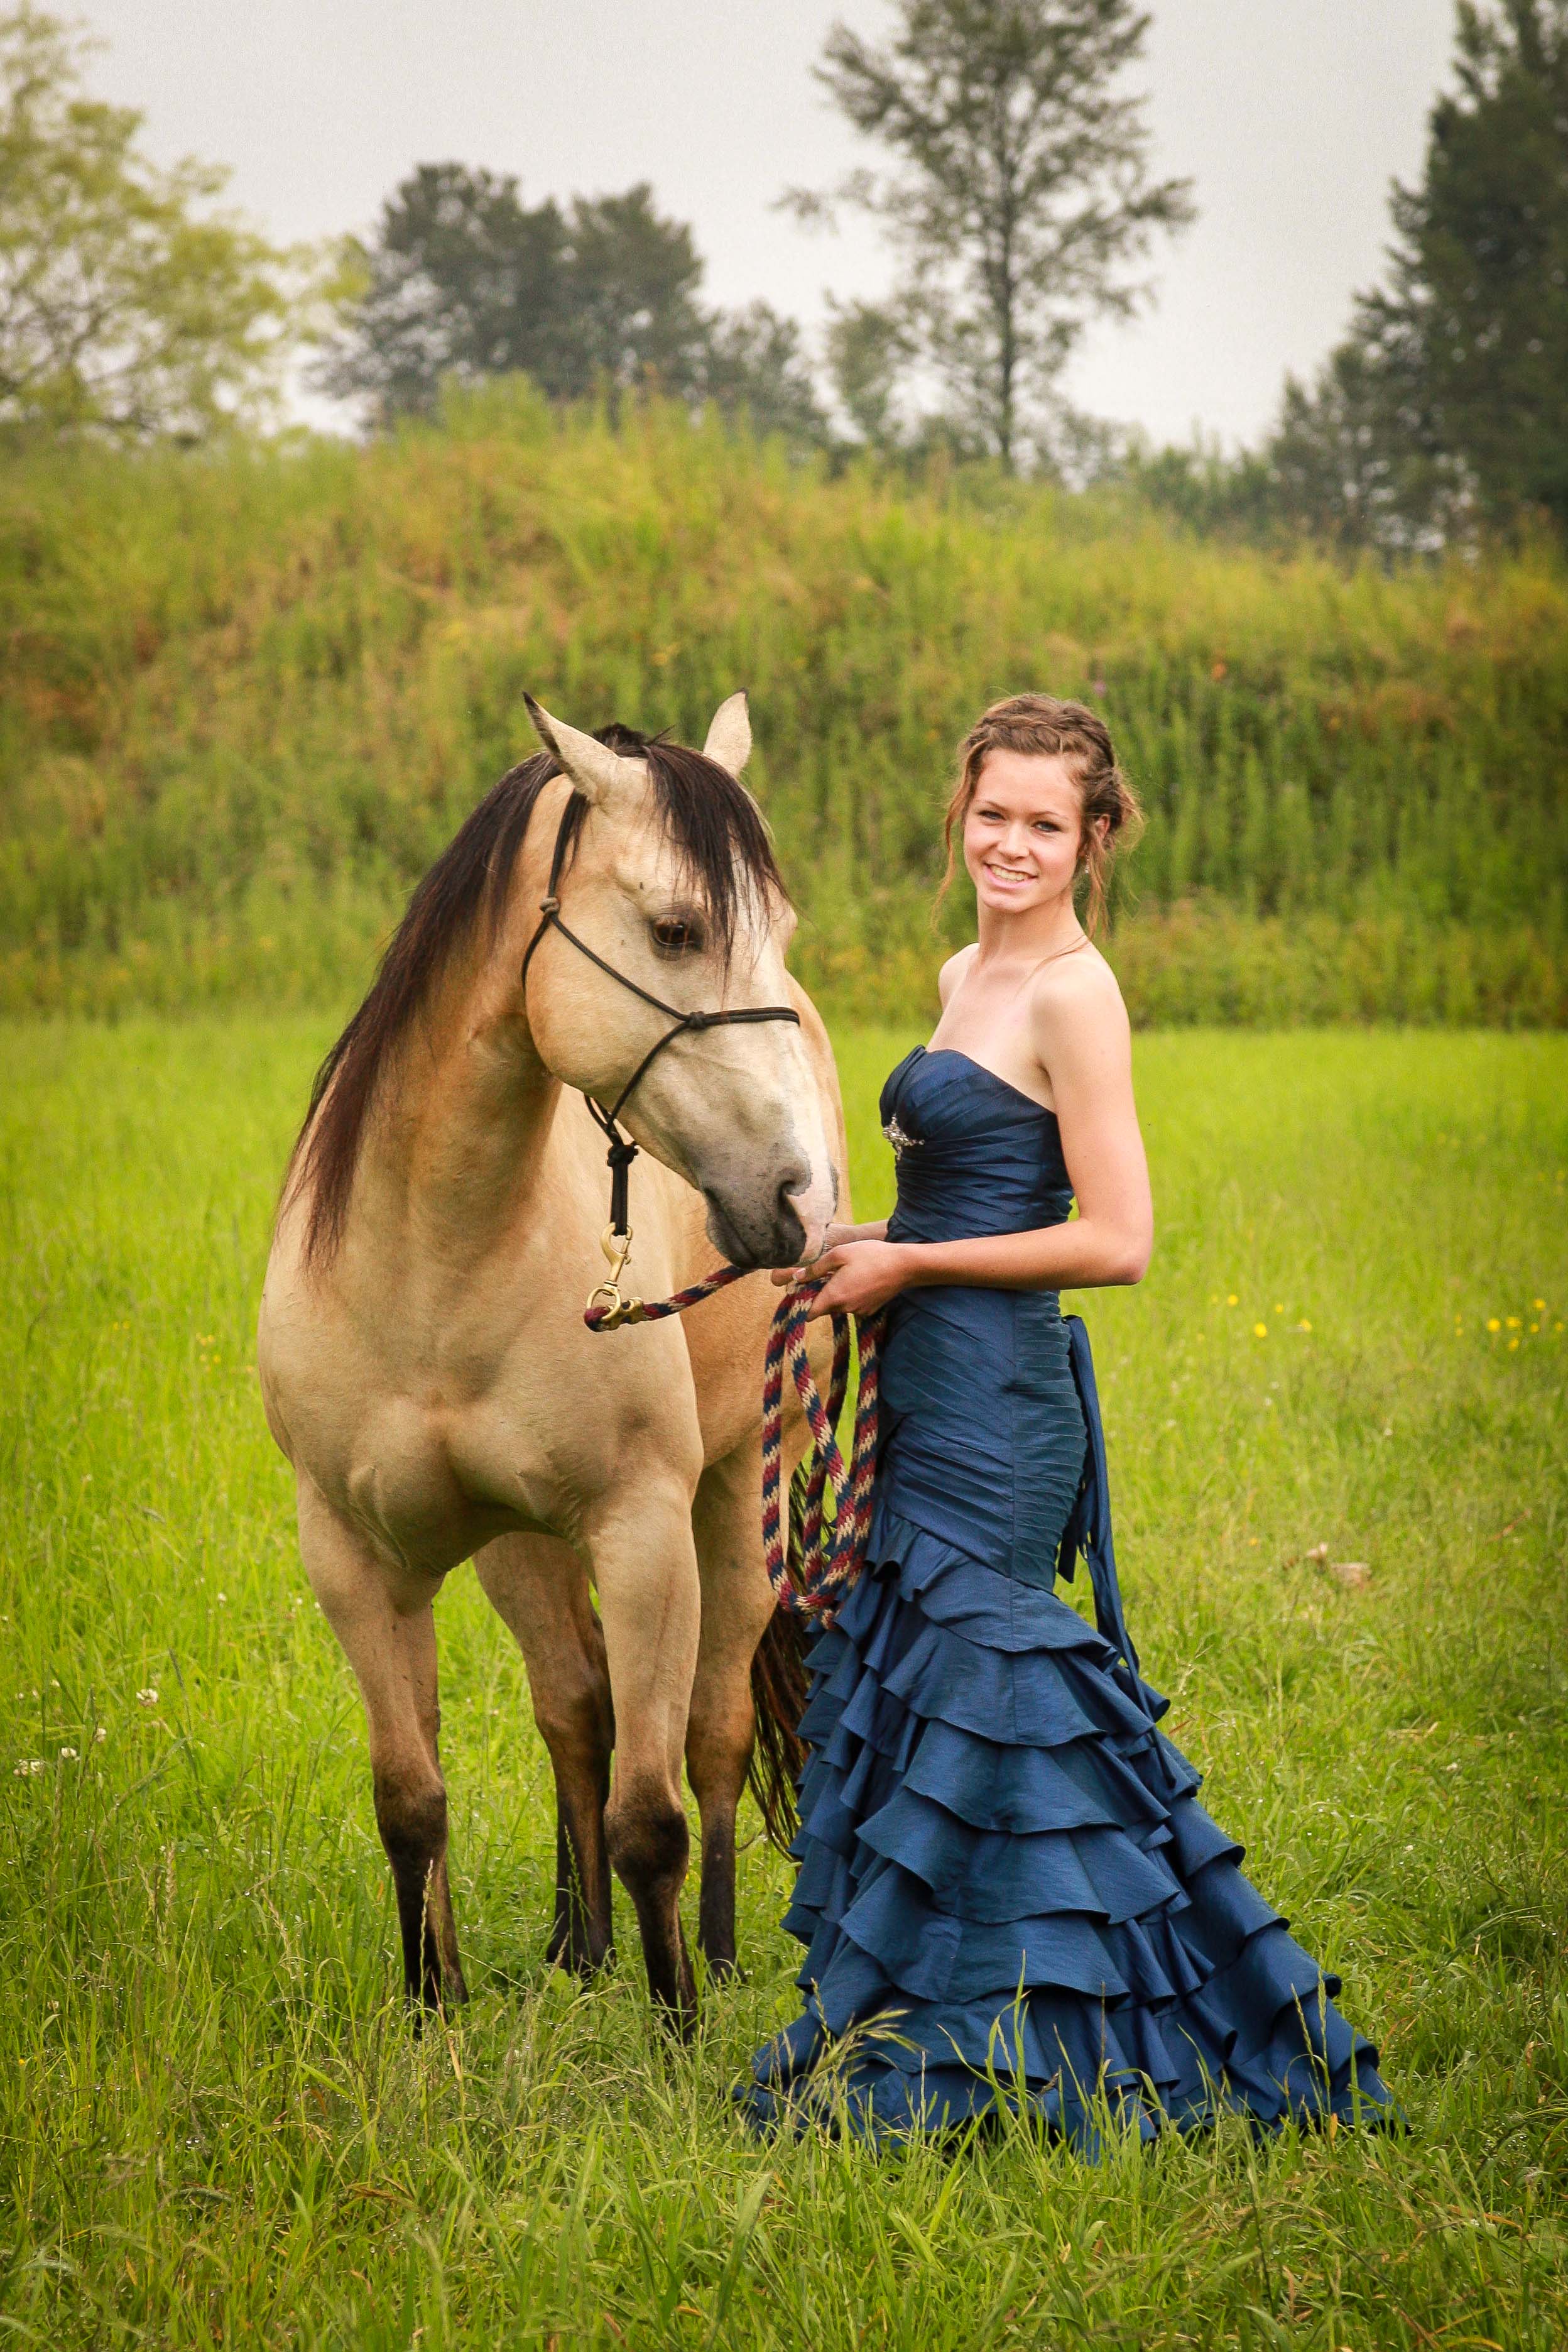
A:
(424, 1359)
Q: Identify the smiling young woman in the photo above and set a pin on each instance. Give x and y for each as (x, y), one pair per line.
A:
(1007, 1884)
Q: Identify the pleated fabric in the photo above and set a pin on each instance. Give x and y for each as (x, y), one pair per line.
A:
(1007, 1882)
(1008, 1891)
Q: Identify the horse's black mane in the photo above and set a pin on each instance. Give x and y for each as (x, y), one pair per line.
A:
(713, 821)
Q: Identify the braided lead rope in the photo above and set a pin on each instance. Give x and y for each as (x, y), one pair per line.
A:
(811, 1570)
(654, 1311)
(811, 1564)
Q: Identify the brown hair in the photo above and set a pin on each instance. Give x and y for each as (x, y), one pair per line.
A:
(1040, 725)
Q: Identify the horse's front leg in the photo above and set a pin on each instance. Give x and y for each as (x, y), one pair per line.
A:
(737, 1604)
(539, 1585)
(385, 1622)
(645, 1565)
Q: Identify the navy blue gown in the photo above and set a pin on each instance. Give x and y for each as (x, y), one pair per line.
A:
(1007, 1884)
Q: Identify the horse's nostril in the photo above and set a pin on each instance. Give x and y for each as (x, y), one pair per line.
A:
(789, 1229)
(795, 1179)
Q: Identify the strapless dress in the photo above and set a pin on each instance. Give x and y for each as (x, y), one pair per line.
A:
(1008, 1890)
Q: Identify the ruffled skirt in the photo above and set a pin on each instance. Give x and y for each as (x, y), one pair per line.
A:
(1009, 1894)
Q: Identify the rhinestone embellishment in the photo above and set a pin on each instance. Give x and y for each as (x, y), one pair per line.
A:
(900, 1141)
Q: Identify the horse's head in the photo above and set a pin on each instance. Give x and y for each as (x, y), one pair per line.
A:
(669, 879)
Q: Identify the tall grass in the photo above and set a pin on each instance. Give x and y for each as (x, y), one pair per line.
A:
(249, 692)
(215, 2127)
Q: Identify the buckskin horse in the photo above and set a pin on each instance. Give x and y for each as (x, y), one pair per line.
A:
(424, 1359)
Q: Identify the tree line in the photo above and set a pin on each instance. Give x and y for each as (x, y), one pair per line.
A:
(1011, 174)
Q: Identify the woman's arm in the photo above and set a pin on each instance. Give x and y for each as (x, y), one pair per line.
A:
(1080, 1036)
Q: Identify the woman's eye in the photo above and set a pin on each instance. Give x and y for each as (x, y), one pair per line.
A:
(677, 937)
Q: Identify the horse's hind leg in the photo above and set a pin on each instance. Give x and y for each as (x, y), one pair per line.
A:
(737, 1602)
(386, 1625)
(538, 1585)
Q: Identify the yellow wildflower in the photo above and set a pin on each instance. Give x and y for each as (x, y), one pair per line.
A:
(1260, 1330)
(1493, 1323)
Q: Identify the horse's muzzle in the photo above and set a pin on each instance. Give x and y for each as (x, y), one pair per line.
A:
(755, 1219)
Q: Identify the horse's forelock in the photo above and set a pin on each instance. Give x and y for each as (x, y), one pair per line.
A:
(717, 833)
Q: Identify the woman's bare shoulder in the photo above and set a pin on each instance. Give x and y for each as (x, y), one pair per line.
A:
(1078, 992)
(953, 971)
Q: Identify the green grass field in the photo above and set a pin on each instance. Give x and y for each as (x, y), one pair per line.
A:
(216, 2127)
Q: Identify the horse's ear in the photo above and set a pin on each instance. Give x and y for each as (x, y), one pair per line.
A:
(599, 774)
(728, 741)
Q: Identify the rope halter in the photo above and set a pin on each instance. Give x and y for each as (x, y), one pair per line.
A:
(616, 1239)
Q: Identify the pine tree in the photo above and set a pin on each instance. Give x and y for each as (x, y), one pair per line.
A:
(1449, 401)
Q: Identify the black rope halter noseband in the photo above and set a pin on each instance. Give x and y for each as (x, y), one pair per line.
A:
(623, 1150)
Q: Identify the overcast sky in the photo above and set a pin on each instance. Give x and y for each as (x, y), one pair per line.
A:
(1290, 116)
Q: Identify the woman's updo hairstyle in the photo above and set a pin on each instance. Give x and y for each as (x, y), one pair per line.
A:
(1040, 725)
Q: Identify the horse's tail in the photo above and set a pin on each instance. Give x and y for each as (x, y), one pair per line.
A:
(778, 1696)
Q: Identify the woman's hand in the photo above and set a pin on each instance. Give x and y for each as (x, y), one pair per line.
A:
(835, 1237)
(856, 1277)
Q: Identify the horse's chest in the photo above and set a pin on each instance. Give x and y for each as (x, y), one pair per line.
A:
(433, 1484)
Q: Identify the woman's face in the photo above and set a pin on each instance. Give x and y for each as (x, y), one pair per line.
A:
(1022, 830)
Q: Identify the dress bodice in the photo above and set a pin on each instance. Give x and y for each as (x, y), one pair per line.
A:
(974, 1154)
(982, 1438)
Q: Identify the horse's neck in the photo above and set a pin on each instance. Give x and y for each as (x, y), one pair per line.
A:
(459, 1137)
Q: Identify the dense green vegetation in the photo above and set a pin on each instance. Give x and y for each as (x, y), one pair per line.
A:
(215, 2127)
(249, 692)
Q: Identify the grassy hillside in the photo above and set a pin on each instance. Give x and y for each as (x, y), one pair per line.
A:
(247, 695)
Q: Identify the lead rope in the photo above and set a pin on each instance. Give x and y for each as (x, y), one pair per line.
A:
(812, 1562)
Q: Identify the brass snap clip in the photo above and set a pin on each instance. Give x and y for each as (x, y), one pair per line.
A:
(605, 1303)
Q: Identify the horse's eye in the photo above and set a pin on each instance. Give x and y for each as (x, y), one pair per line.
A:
(675, 936)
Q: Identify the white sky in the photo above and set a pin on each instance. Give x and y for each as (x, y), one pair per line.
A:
(1292, 116)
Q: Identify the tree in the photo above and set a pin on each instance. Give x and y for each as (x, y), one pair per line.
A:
(462, 279)
(1018, 192)
(869, 350)
(1449, 397)
(124, 308)
(628, 296)
(755, 366)
(1351, 459)
(1474, 322)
